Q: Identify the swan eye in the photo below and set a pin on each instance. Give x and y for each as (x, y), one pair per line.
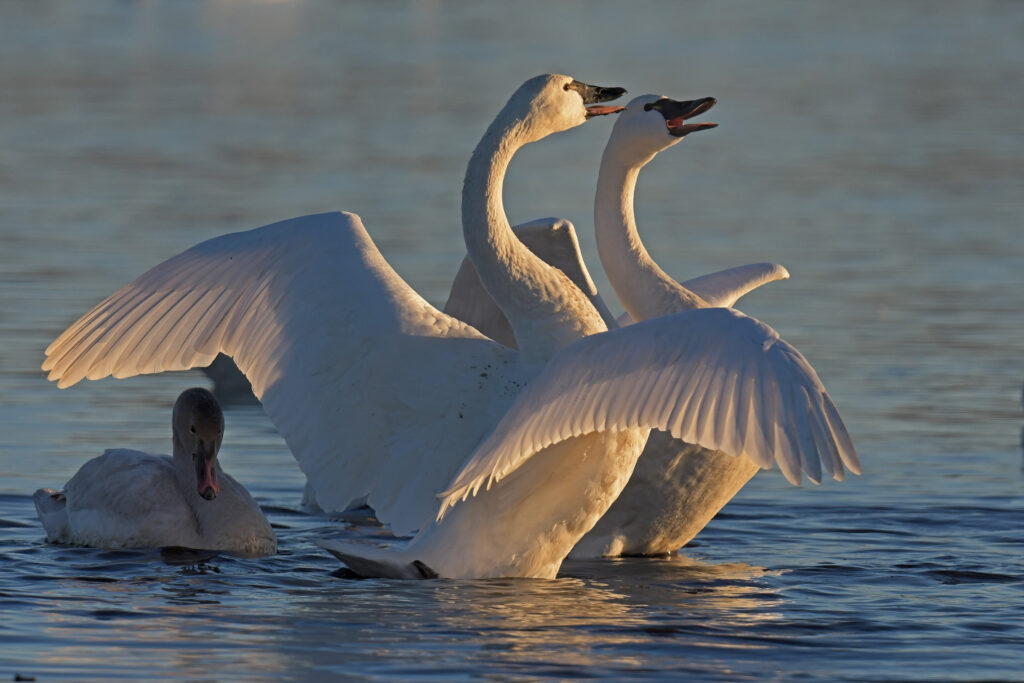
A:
(566, 87)
(192, 429)
(649, 106)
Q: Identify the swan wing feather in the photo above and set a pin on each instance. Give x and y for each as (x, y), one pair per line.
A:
(712, 377)
(725, 287)
(360, 375)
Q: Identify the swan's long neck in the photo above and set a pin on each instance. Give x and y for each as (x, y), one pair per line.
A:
(545, 309)
(644, 289)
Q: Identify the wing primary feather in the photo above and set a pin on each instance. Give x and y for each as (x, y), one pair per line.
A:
(74, 356)
(712, 377)
(162, 337)
(690, 419)
(727, 435)
(842, 437)
(824, 441)
(802, 437)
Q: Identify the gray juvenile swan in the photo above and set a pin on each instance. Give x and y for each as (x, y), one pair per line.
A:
(130, 499)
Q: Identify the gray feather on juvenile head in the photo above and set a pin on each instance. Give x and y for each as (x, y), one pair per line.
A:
(201, 405)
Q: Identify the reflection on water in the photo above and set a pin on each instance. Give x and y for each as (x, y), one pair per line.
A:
(874, 149)
(558, 627)
(289, 616)
(182, 616)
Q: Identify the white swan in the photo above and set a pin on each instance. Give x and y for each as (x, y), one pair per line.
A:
(379, 395)
(130, 499)
(552, 239)
(676, 488)
(582, 451)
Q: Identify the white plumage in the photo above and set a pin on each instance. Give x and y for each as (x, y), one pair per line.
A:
(381, 397)
(370, 386)
(131, 499)
(712, 377)
(678, 487)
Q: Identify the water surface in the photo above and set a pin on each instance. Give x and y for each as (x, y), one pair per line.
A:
(875, 149)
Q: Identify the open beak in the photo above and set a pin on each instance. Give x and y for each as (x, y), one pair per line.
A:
(593, 95)
(206, 472)
(676, 114)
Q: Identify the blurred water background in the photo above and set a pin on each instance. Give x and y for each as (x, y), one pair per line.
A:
(876, 149)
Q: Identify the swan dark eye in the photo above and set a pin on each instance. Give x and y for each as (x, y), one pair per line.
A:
(565, 87)
(648, 106)
(192, 429)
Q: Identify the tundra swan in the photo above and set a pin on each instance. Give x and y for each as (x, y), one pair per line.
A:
(557, 460)
(130, 499)
(676, 488)
(380, 395)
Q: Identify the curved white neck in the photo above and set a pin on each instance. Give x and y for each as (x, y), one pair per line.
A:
(545, 309)
(644, 289)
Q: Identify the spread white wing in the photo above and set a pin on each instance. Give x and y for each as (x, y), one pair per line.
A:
(712, 377)
(725, 287)
(377, 393)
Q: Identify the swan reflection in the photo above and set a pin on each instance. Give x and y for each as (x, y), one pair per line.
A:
(595, 613)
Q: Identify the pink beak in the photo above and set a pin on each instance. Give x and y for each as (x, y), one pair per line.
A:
(206, 475)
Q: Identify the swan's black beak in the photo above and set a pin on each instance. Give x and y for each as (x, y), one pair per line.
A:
(676, 112)
(595, 94)
(206, 470)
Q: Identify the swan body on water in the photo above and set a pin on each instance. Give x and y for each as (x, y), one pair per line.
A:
(573, 436)
(130, 499)
(677, 487)
(381, 397)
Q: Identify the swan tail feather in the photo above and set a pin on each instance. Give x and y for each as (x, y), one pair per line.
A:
(372, 562)
(52, 508)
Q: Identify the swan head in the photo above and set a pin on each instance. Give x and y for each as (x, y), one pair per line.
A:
(550, 103)
(198, 424)
(651, 123)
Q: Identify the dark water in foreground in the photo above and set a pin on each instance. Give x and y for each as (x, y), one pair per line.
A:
(865, 592)
(876, 149)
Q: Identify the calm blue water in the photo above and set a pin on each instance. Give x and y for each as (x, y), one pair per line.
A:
(876, 149)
